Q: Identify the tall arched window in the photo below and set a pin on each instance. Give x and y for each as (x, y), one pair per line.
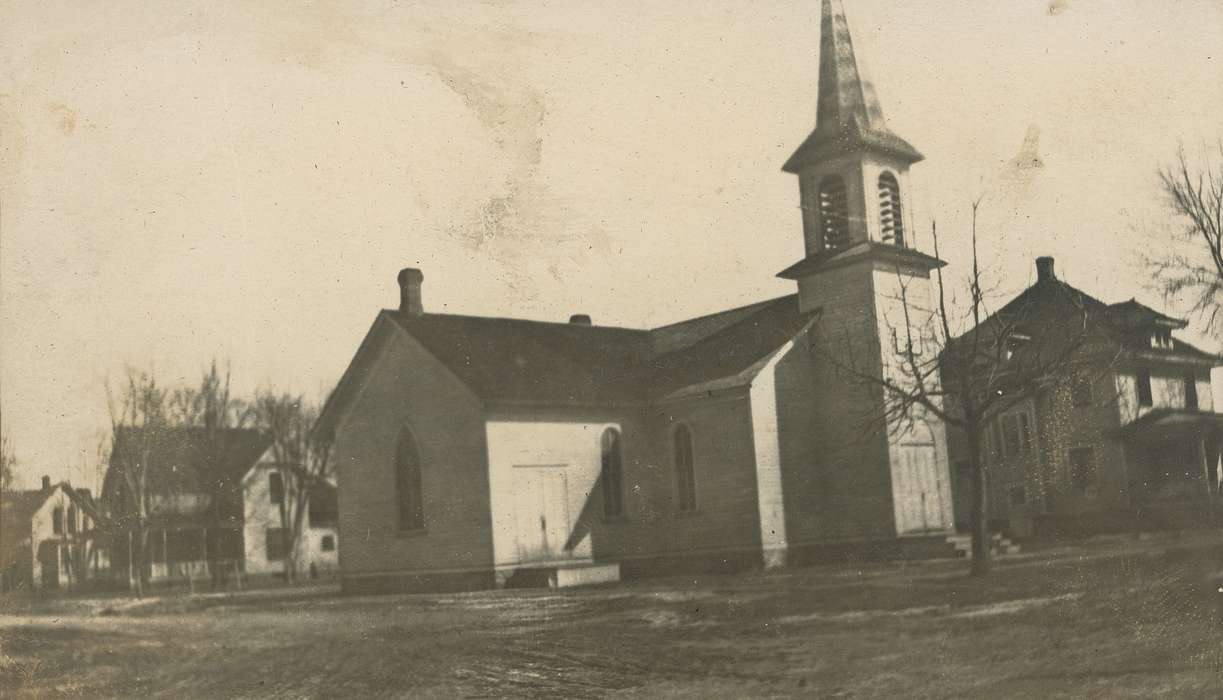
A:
(408, 500)
(685, 476)
(612, 475)
(891, 223)
(834, 213)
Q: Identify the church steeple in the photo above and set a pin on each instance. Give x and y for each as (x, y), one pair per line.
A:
(848, 114)
(852, 170)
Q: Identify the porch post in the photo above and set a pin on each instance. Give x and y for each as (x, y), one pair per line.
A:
(1206, 474)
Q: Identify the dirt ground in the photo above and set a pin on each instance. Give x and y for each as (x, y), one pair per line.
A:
(1110, 618)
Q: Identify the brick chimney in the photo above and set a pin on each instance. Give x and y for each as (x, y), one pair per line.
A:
(46, 483)
(1044, 269)
(410, 280)
(580, 320)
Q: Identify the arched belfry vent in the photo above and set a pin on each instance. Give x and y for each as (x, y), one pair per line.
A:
(834, 213)
(891, 223)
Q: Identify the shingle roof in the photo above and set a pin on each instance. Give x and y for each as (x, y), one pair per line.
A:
(571, 364)
(1030, 312)
(1135, 314)
(179, 461)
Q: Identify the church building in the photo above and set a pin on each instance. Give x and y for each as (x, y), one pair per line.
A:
(475, 452)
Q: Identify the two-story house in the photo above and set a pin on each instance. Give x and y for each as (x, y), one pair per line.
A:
(48, 538)
(270, 508)
(192, 481)
(1127, 437)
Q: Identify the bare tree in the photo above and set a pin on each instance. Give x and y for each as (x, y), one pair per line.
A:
(8, 459)
(301, 458)
(965, 368)
(1193, 267)
(139, 421)
(212, 408)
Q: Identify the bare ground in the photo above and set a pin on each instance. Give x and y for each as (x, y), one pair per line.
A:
(1107, 619)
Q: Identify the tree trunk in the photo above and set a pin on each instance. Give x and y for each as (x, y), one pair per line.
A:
(979, 519)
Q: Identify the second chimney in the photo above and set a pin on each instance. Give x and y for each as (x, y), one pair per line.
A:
(1044, 269)
(580, 320)
(46, 483)
(410, 280)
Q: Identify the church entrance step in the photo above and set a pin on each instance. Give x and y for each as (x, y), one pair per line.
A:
(999, 546)
(563, 576)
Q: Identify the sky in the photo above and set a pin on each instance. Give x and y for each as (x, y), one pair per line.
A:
(183, 181)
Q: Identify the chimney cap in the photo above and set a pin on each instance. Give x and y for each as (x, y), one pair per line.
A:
(580, 319)
(410, 274)
(1044, 269)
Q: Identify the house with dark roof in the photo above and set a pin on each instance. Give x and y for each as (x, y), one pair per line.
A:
(1128, 438)
(472, 452)
(193, 481)
(49, 538)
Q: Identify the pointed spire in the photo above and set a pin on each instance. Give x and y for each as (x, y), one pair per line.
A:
(846, 92)
(848, 114)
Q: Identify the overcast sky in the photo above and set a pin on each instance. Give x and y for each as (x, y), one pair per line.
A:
(179, 181)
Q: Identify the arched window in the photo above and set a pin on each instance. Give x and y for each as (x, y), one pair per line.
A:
(834, 213)
(891, 223)
(612, 475)
(685, 477)
(408, 499)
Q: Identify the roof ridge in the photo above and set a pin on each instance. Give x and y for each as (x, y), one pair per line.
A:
(508, 319)
(723, 311)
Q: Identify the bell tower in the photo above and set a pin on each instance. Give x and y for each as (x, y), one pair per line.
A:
(872, 291)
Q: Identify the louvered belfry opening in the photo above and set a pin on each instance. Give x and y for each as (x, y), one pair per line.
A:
(834, 213)
(891, 223)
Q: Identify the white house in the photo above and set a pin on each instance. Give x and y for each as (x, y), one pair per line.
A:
(263, 490)
(47, 538)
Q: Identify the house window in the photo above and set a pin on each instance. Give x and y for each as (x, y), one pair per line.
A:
(1017, 434)
(1080, 392)
(1161, 339)
(1191, 391)
(1083, 471)
(410, 505)
(1144, 387)
(57, 520)
(72, 520)
(275, 544)
(685, 476)
(995, 440)
(834, 213)
(328, 543)
(276, 488)
(891, 224)
(612, 474)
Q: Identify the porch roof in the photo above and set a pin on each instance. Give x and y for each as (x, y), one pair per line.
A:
(1163, 424)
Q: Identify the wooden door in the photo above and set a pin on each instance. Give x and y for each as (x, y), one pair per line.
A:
(541, 513)
(919, 494)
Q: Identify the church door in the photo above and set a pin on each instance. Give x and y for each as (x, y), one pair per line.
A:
(541, 513)
(919, 491)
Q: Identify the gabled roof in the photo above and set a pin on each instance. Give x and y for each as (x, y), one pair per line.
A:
(565, 364)
(1031, 310)
(849, 117)
(511, 359)
(180, 459)
(1134, 314)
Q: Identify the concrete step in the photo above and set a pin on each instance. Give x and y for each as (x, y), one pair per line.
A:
(563, 575)
(588, 575)
(999, 546)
